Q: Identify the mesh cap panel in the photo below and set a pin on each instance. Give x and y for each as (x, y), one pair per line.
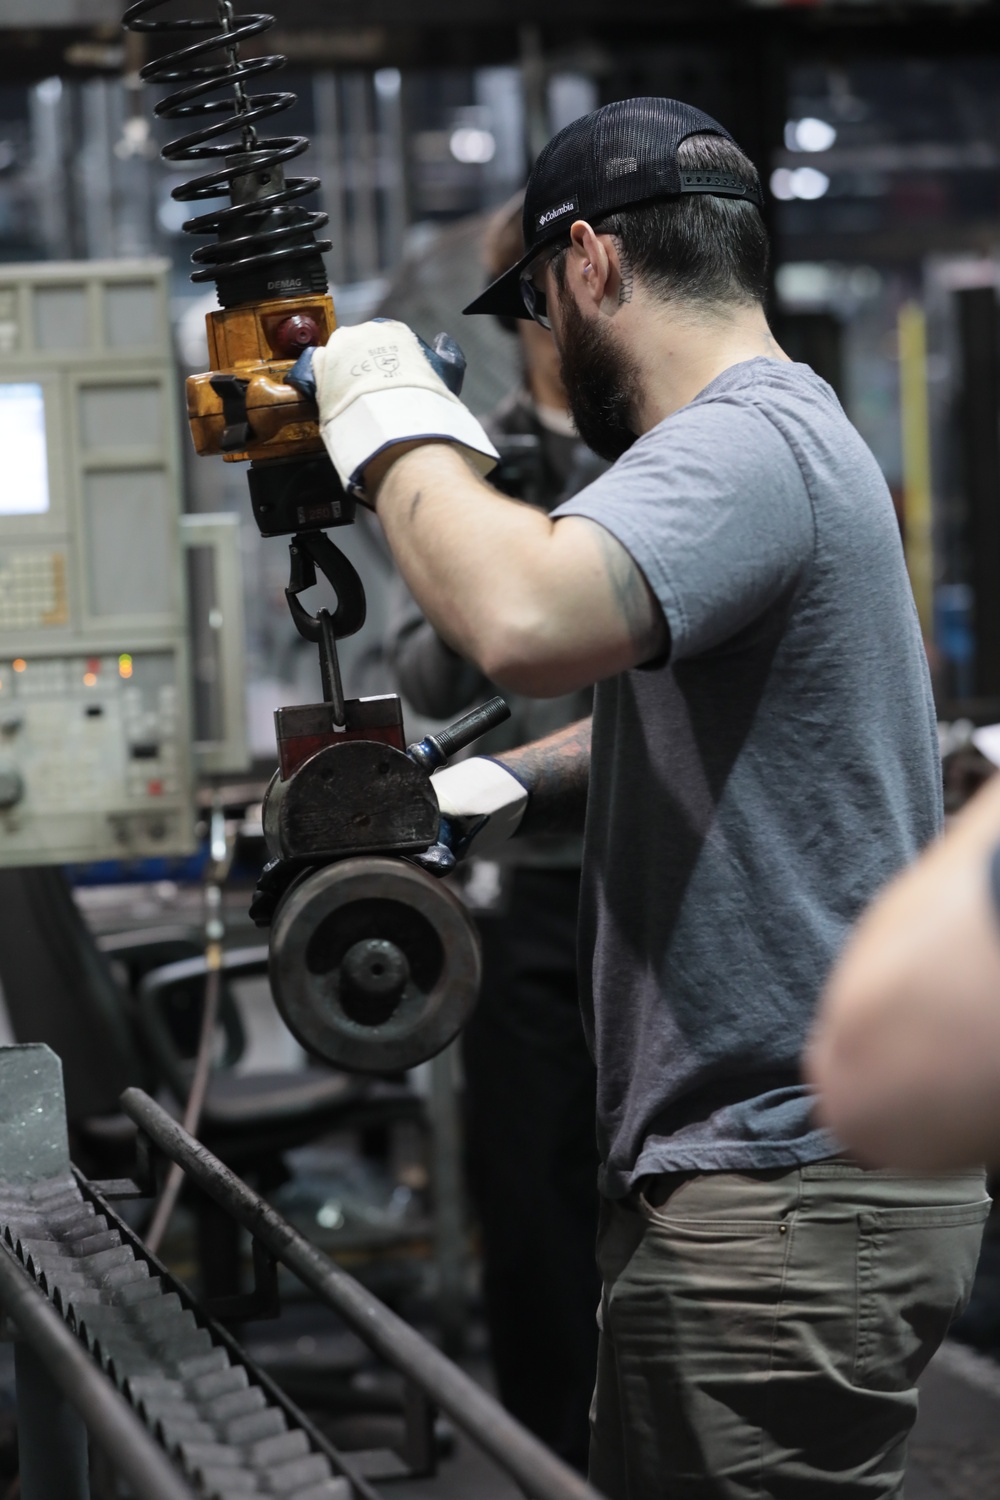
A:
(621, 154)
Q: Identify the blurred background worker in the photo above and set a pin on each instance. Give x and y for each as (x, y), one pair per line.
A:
(907, 1050)
(530, 1081)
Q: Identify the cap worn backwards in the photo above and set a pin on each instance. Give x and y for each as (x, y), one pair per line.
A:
(621, 154)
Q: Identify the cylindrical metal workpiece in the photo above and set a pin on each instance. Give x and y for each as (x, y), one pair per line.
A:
(374, 964)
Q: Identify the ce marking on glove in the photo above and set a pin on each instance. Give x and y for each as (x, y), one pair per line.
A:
(384, 361)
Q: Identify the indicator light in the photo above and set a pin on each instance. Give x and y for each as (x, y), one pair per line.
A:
(90, 679)
(125, 665)
(20, 665)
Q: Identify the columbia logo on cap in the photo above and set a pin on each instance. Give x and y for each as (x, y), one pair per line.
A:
(551, 214)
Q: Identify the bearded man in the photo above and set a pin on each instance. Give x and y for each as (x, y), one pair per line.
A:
(762, 759)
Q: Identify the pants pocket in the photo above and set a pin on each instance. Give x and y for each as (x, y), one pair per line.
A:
(915, 1269)
(705, 1292)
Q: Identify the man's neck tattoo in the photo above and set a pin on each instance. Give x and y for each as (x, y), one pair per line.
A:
(626, 274)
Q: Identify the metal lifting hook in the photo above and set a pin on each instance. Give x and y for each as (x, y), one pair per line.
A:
(308, 551)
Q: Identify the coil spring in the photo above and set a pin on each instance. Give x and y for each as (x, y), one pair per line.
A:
(247, 241)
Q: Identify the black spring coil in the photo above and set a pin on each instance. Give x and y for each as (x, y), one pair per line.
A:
(246, 241)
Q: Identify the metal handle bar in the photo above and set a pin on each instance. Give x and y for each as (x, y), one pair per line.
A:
(538, 1471)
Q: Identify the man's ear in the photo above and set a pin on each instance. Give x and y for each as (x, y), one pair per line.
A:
(594, 260)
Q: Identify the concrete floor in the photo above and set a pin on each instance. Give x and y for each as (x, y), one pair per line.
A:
(465, 1476)
(955, 1448)
(954, 1452)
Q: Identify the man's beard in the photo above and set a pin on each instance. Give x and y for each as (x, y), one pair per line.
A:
(601, 382)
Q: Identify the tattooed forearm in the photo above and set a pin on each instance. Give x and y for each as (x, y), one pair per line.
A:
(556, 772)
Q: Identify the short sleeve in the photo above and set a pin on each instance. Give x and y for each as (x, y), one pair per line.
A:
(712, 506)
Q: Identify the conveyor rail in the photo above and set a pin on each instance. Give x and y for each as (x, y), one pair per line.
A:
(537, 1470)
(174, 1401)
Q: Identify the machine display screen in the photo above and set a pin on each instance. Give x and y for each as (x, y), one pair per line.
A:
(24, 480)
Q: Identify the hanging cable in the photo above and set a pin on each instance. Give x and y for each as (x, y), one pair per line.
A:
(220, 855)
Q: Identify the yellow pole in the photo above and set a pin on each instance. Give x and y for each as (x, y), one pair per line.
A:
(915, 424)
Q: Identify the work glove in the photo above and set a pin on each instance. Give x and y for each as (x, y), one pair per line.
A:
(482, 804)
(378, 384)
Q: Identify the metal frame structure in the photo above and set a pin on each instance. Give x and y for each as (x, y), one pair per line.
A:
(427, 1371)
(110, 1341)
(68, 1369)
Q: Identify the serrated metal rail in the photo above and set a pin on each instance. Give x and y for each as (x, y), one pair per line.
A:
(225, 1431)
(430, 1375)
(180, 1408)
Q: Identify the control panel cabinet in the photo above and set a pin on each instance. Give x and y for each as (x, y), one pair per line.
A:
(95, 731)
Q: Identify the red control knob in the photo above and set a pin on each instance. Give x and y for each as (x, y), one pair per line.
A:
(294, 334)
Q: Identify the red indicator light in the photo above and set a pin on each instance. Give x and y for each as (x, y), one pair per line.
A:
(154, 788)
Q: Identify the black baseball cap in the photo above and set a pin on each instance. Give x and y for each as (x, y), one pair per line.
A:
(621, 154)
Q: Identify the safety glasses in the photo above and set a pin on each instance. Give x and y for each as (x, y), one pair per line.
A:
(532, 291)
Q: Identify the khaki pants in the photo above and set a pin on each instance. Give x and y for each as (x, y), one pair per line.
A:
(762, 1333)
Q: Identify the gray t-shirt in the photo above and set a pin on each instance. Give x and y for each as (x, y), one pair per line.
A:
(751, 794)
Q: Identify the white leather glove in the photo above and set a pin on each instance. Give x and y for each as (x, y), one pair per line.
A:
(376, 386)
(482, 804)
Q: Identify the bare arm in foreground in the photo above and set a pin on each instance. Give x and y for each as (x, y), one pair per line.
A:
(542, 607)
(906, 1053)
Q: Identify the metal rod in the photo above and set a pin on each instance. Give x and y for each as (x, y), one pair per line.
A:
(449, 1216)
(51, 1434)
(167, 1201)
(539, 1472)
(471, 726)
(342, 1462)
(435, 750)
(329, 665)
(114, 1424)
(221, 852)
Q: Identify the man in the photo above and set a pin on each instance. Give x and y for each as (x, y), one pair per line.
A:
(530, 1081)
(762, 760)
(907, 1050)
